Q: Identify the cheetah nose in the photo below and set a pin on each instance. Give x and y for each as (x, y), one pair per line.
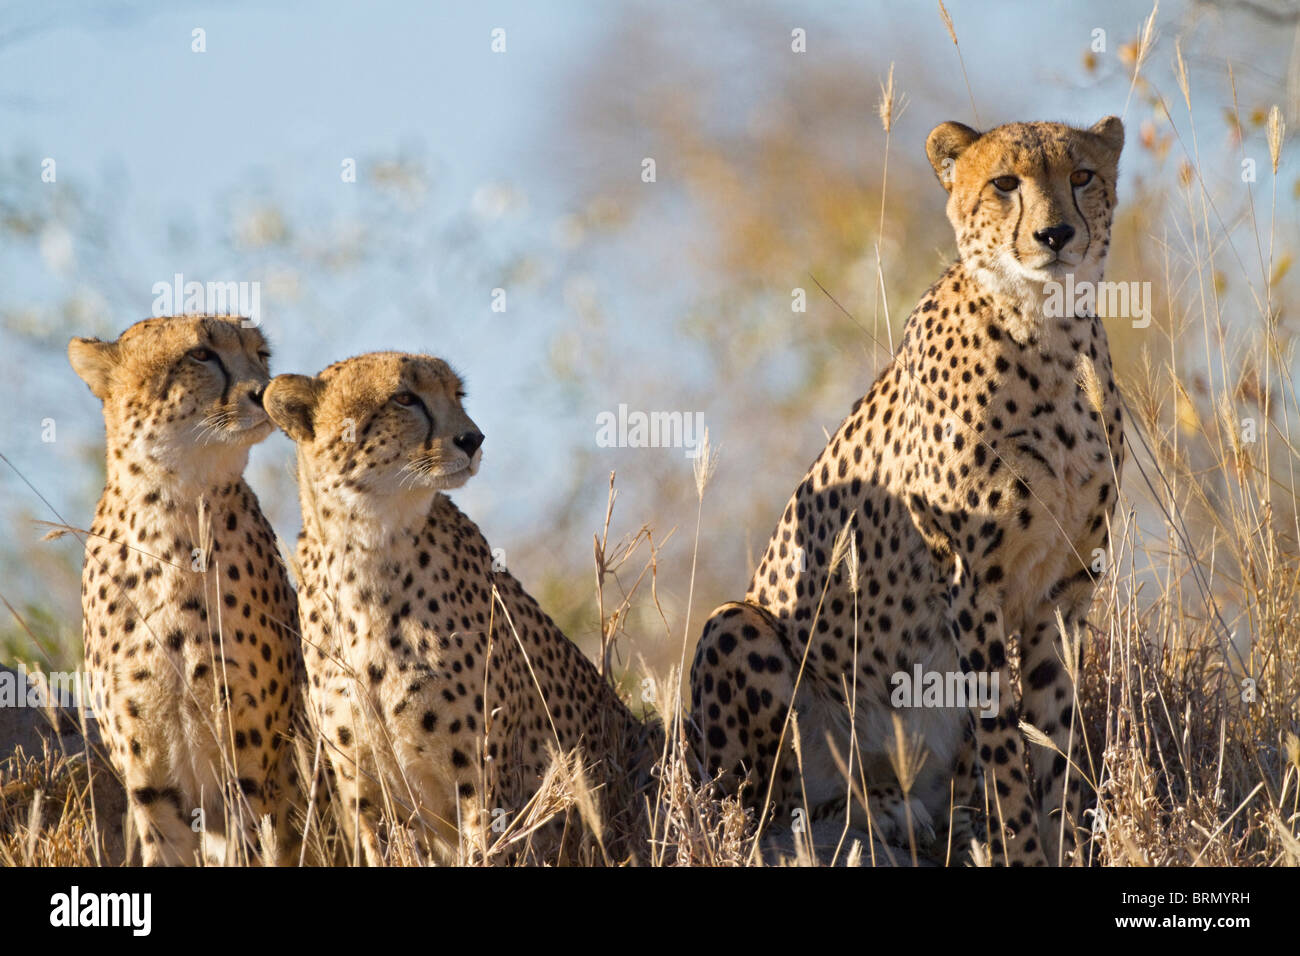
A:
(1055, 237)
(468, 442)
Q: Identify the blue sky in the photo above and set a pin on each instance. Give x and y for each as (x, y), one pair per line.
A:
(171, 140)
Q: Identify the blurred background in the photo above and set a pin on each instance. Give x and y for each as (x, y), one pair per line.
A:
(784, 157)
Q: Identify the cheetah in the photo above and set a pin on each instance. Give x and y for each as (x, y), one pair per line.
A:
(439, 685)
(189, 620)
(952, 517)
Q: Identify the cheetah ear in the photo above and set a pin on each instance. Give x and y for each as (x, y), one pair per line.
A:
(945, 143)
(290, 402)
(94, 361)
(1111, 132)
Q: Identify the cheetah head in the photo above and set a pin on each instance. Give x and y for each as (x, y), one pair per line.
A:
(1030, 202)
(182, 393)
(381, 431)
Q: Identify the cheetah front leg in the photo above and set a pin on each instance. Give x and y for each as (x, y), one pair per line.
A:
(160, 809)
(999, 744)
(1048, 703)
(965, 799)
(357, 811)
(159, 814)
(349, 741)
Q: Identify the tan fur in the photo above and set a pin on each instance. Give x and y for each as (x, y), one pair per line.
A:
(439, 685)
(185, 602)
(976, 479)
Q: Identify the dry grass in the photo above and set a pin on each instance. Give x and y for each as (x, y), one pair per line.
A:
(1188, 769)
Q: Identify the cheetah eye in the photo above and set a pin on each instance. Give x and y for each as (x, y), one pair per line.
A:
(405, 399)
(1080, 177)
(1006, 184)
(201, 354)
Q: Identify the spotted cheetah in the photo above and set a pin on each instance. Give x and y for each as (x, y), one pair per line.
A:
(439, 684)
(189, 620)
(970, 490)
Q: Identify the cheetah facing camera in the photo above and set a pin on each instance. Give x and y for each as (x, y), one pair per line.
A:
(970, 488)
(190, 623)
(439, 685)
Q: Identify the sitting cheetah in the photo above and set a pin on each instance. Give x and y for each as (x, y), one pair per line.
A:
(438, 682)
(190, 623)
(976, 479)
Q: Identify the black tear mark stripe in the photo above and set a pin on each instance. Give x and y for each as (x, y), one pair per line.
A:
(209, 341)
(1074, 198)
(428, 434)
(225, 377)
(1015, 233)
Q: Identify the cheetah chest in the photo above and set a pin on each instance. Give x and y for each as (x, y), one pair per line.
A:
(170, 610)
(1062, 485)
